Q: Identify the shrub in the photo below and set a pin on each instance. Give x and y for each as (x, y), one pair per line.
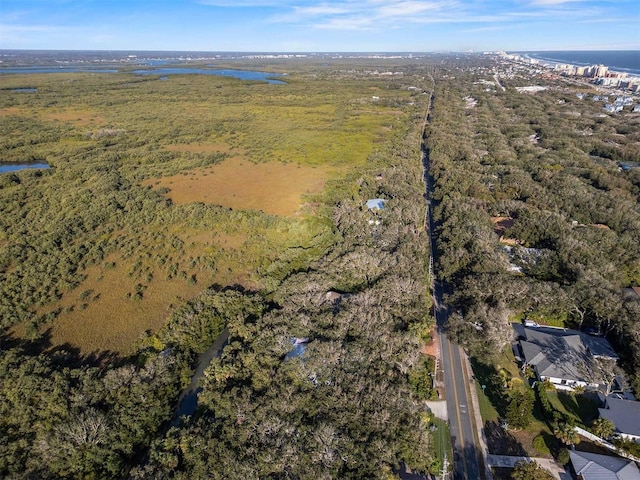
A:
(540, 445)
(563, 456)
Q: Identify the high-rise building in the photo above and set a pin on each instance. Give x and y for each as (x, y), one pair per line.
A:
(601, 71)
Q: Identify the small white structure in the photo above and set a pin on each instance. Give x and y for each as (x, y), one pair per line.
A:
(375, 204)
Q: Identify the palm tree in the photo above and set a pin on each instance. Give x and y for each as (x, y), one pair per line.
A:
(603, 427)
(566, 434)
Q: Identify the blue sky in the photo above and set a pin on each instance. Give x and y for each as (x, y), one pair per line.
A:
(319, 26)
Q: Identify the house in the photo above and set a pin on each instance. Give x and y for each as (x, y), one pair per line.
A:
(625, 415)
(375, 204)
(299, 347)
(566, 358)
(613, 107)
(592, 466)
(632, 293)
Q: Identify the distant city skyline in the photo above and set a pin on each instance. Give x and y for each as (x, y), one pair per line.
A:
(320, 26)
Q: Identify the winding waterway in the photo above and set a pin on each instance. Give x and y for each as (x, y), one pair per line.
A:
(188, 399)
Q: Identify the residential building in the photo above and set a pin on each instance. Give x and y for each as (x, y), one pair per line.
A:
(566, 358)
(625, 415)
(593, 466)
(375, 204)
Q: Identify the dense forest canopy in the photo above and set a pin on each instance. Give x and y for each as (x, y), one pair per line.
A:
(113, 279)
(536, 218)
(118, 265)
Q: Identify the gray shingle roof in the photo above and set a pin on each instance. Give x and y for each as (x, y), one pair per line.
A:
(603, 467)
(625, 415)
(562, 353)
(557, 356)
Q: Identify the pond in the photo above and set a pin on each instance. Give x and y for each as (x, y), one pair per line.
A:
(59, 69)
(14, 167)
(240, 74)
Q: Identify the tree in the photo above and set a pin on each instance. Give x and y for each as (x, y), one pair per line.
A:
(530, 471)
(603, 427)
(520, 409)
(566, 434)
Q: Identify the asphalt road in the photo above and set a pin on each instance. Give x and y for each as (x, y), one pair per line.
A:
(459, 407)
(465, 452)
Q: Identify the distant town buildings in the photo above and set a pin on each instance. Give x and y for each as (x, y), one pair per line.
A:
(599, 74)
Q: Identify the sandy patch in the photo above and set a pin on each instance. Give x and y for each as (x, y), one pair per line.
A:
(14, 111)
(501, 224)
(433, 348)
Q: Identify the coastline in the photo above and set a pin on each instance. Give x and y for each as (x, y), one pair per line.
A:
(539, 56)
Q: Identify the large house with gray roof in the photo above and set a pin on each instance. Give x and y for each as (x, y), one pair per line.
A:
(566, 358)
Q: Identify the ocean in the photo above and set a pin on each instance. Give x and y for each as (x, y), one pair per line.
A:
(617, 60)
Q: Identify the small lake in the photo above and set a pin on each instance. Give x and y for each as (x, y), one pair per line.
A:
(24, 90)
(164, 71)
(14, 167)
(57, 70)
(240, 74)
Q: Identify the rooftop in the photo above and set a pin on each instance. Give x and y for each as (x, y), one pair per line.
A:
(375, 203)
(592, 466)
(562, 353)
(625, 415)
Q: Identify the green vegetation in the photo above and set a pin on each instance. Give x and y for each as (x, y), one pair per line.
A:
(540, 444)
(441, 441)
(106, 295)
(421, 379)
(603, 427)
(573, 217)
(629, 445)
(573, 408)
(116, 268)
(519, 409)
(487, 410)
(530, 471)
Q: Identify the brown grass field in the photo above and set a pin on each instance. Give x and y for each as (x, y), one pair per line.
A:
(111, 319)
(282, 147)
(272, 187)
(203, 148)
(79, 118)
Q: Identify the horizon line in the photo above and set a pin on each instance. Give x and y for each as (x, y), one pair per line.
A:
(317, 52)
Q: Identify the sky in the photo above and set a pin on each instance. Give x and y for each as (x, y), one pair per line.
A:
(320, 26)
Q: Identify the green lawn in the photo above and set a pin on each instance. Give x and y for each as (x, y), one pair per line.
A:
(442, 440)
(580, 408)
(487, 410)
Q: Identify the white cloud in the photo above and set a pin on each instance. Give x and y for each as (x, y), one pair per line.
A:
(245, 3)
(408, 8)
(366, 14)
(553, 2)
